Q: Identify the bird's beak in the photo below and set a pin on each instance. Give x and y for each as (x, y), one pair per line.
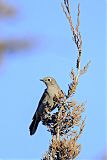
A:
(42, 80)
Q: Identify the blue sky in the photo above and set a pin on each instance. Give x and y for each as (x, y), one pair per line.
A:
(20, 88)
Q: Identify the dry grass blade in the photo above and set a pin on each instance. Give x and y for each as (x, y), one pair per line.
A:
(84, 70)
(66, 10)
(78, 19)
(81, 128)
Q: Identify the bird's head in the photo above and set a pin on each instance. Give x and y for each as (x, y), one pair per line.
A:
(48, 81)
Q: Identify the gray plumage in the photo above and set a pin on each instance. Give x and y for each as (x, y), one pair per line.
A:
(46, 102)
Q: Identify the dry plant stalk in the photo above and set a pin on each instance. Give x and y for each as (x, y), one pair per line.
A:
(66, 125)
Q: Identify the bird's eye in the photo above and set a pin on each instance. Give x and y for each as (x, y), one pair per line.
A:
(49, 79)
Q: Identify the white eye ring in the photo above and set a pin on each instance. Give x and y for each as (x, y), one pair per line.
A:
(49, 79)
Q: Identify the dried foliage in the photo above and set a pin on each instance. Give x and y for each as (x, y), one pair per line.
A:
(6, 10)
(67, 123)
(13, 44)
(65, 126)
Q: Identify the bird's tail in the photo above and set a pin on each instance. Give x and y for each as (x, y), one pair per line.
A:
(34, 124)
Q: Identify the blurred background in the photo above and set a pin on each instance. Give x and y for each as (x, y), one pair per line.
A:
(36, 41)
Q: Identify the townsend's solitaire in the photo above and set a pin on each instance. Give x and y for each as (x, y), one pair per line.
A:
(46, 102)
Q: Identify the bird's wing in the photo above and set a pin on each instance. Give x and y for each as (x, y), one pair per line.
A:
(43, 98)
(39, 112)
(42, 103)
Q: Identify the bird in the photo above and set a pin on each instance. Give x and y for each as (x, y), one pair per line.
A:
(46, 103)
